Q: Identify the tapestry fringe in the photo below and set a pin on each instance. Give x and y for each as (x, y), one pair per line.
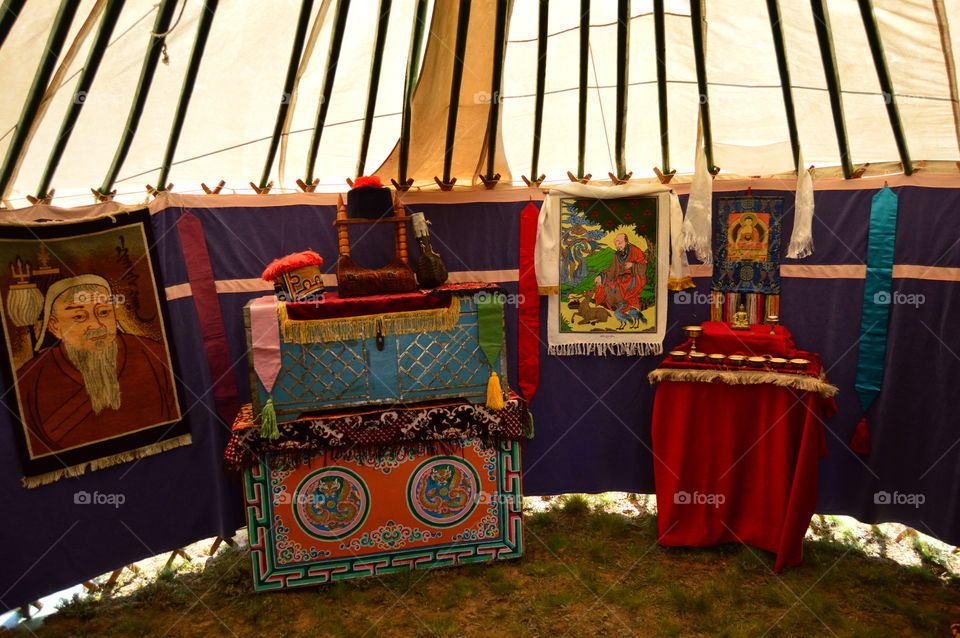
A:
(746, 377)
(603, 349)
(107, 461)
(365, 327)
(680, 283)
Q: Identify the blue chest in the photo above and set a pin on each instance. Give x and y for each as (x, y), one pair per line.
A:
(392, 368)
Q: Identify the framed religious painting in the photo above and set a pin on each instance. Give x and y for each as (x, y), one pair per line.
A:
(612, 256)
(746, 257)
(87, 348)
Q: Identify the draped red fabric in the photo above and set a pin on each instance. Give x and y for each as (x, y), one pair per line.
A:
(719, 337)
(737, 464)
(528, 339)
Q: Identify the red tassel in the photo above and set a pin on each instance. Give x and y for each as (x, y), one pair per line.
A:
(860, 441)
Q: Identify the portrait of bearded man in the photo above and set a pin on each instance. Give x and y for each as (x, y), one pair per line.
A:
(89, 380)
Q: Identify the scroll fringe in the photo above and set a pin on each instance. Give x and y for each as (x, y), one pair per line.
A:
(746, 377)
(107, 461)
(604, 349)
(365, 327)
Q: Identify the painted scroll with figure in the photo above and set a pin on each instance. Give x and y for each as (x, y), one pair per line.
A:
(87, 349)
(612, 276)
(746, 263)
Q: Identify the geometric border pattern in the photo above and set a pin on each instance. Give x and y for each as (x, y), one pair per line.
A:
(267, 576)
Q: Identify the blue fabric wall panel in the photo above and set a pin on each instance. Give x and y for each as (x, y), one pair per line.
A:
(581, 445)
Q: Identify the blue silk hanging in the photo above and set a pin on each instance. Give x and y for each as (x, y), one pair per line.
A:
(877, 296)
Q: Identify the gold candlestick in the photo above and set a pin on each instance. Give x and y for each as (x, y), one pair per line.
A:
(773, 320)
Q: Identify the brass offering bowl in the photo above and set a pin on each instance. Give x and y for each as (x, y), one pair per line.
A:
(773, 320)
(692, 333)
(698, 357)
(799, 364)
(716, 359)
(756, 362)
(777, 363)
(677, 355)
(736, 360)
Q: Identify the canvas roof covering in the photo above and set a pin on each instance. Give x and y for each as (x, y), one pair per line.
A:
(240, 86)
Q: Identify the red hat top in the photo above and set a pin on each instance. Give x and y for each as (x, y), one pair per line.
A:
(291, 262)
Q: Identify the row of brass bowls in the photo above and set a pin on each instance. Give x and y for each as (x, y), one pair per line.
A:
(739, 360)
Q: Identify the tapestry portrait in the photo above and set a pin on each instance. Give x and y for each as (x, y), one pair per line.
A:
(87, 348)
(612, 259)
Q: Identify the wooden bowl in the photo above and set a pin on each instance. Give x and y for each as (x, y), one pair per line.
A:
(736, 360)
(778, 363)
(756, 362)
(716, 359)
(698, 357)
(677, 355)
(799, 364)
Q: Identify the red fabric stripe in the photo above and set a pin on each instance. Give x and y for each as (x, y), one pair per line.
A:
(200, 275)
(528, 340)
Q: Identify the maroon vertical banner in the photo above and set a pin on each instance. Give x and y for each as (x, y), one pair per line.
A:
(204, 289)
(528, 337)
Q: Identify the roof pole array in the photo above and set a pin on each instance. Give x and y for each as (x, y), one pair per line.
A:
(413, 74)
(821, 23)
(463, 24)
(542, 21)
(157, 38)
(189, 81)
(582, 106)
(660, 43)
(51, 52)
(776, 27)
(378, 45)
(81, 94)
(303, 21)
(699, 54)
(623, 86)
(886, 84)
(9, 12)
(496, 82)
(329, 76)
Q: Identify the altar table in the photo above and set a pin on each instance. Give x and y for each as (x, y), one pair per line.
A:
(736, 452)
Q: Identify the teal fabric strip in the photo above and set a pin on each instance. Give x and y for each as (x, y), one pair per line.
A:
(490, 324)
(877, 295)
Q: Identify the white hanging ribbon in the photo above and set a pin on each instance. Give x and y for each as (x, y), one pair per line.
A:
(801, 239)
(699, 218)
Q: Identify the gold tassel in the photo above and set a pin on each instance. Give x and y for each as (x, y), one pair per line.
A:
(494, 393)
(365, 327)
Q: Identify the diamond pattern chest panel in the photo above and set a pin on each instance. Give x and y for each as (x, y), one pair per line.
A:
(415, 366)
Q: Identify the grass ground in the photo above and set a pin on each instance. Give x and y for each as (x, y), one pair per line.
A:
(586, 572)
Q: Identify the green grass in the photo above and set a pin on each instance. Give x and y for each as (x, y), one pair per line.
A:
(586, 572)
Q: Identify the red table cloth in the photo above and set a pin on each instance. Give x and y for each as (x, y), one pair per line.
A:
(718, 337)
(738, 463)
